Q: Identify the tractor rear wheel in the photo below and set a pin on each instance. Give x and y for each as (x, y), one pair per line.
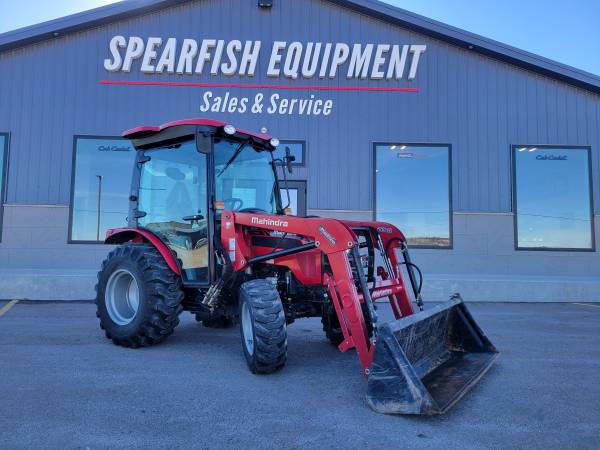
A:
(138, 297)
(262, 326)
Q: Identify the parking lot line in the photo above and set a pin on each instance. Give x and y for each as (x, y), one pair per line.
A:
(587, 304)
(7, 307)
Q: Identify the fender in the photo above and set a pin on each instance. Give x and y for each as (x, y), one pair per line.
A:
(122, 235)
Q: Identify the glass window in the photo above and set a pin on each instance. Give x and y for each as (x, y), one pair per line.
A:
(173, 194)
(412, 191)
(102, 171)
(244, 177)
(172, 185)
(3, 156)
(293, 200)
(297, 149)
(552, 198)
(297, 199)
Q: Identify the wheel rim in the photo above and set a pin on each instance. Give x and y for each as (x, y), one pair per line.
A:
(247, 329)
(122, 297)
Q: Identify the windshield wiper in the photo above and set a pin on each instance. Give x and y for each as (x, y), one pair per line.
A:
(235, 155)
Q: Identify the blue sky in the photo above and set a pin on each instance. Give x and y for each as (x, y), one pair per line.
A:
(563, 30)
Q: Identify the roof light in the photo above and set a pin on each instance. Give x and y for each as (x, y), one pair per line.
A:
(523, 149)
(403, 147)
(533, 149)
(229, 129)
(392, 147)
(274, 142)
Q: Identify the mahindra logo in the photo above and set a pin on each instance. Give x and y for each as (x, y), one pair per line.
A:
(327, 234)
(269, 222)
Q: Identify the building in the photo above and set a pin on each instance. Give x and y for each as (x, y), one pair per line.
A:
(485, 155)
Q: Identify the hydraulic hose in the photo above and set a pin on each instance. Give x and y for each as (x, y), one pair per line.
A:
(409, 268)
(419, 272)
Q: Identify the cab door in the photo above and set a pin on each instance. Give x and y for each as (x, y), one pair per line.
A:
(174, 197)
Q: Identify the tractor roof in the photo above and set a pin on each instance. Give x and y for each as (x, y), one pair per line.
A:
(148, 131)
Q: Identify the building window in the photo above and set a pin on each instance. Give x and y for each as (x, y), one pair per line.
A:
(3, 165)
(297, 149)
(102, 168)
(552, 198)
(413, 191)
(297, 200)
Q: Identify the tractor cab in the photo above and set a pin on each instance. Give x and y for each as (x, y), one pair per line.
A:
(187, 173)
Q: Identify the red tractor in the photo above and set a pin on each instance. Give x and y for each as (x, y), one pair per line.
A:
(208, 234)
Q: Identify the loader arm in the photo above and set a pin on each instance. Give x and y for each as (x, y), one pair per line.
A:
(337, 240)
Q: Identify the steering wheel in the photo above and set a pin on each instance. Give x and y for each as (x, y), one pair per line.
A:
(234, 203)
(253, 210)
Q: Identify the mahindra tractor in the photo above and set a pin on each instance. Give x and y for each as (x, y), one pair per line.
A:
(210, 232)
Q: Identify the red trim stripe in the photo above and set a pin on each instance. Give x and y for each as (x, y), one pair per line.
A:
(256, 86)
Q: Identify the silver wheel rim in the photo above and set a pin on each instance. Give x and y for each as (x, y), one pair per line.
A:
(122, 297)
(247, 329)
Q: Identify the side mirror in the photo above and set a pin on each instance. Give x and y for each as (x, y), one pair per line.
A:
(203, 140)
(289, 159)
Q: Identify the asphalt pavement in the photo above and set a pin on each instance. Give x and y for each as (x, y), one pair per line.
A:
(64, 385)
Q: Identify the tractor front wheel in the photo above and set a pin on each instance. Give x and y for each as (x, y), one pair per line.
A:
(138, 297)
(262, 326)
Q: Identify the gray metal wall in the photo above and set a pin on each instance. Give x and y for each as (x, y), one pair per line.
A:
(50, 92)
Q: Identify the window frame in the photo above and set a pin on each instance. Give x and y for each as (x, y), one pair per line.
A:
(375, 144)
(282, 143)
(513, 149)
(4, 169)
(76, 137)
(300, 186)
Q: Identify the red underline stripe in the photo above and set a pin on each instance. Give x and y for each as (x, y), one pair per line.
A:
(257, 86)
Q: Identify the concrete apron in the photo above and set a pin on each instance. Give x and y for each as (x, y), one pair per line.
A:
(79, 285)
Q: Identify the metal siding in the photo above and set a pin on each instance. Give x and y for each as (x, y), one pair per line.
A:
(479, 105)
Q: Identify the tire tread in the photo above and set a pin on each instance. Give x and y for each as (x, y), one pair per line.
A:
(270, 330)
(166, 295)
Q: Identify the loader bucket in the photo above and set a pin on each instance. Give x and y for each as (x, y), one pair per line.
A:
(426, 362)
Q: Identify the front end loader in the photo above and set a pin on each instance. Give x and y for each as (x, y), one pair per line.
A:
(208, 233)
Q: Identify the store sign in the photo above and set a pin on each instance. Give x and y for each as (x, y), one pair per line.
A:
(262, 103)
(292, 60)
(289, 60)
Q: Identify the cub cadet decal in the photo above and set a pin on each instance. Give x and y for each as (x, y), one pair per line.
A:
(384, 230)
(328, 235)
(268, 222)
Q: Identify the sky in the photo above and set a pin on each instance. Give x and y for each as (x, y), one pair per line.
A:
(563, 30)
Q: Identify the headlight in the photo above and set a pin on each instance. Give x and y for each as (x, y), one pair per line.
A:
(274, 142)
(229, 129)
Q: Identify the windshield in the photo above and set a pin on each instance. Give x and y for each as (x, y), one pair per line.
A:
(244, 177)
